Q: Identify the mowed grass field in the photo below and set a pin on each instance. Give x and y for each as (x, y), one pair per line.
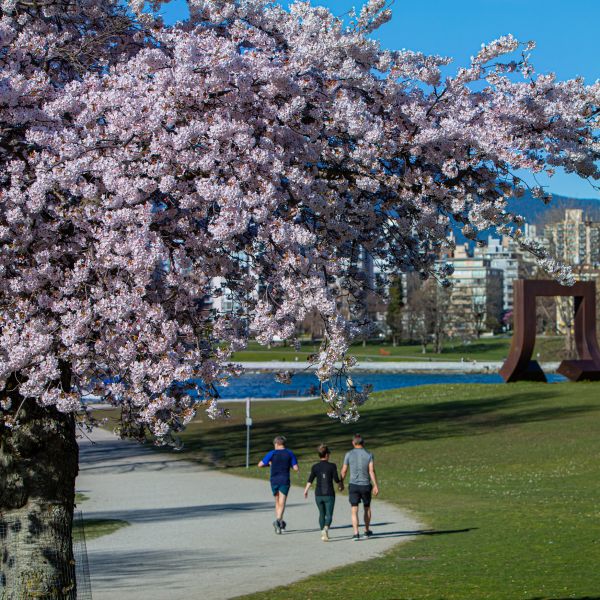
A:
(95, 528)
(505, 477)
(493, 349)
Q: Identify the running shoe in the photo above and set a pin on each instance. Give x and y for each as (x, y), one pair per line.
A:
(355, 537)
(277, 526)
(325, 535)
(368, 533)
(283, 525)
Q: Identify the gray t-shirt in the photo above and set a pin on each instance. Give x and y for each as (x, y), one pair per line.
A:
(358, 460)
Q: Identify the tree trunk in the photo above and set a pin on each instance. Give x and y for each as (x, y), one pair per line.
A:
(570, 349)
(39, 463)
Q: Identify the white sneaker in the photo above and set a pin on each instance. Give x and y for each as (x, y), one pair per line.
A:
(325, 534)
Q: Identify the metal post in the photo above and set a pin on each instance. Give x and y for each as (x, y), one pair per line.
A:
(248, 425)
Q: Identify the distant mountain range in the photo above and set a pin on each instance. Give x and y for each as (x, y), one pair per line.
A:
(537, 213)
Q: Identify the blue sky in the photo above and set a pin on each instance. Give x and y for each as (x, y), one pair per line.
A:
(566, 33)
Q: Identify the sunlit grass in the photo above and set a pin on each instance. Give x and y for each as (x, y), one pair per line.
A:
(492, 349)
(80, 497)
(95, 528)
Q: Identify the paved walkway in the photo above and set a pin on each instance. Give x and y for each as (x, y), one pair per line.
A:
(422, 366)
(201, 534)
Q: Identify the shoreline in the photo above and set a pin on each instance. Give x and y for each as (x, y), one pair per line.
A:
(390, 368)
(472, 366)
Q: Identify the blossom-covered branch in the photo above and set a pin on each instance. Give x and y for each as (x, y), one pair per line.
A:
(253, 144)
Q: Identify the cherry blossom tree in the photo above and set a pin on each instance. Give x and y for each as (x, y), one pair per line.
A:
(263, 147)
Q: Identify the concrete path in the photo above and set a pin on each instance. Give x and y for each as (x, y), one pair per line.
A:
(422, 366)
(201, 534)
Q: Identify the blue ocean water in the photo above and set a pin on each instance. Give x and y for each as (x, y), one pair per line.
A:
(263, 385)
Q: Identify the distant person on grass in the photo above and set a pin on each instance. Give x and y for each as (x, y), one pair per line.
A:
(363, 483)
(281, 460)
(325, 473)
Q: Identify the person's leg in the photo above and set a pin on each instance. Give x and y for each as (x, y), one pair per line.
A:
(276, 495)
(329, 503)
(366, 499)
(320, 500)
(325, 519)
(354, 499)
(355, 519)
(280, 506)
(367, 515)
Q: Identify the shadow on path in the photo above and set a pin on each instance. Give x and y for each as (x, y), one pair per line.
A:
(127, 569)
(422, 532)
(117, 456)
(176, 513)
(380, 534)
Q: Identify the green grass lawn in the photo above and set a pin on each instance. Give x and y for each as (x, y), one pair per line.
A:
(80, 497)
(549, 349)
(95, 528)
(506, 476)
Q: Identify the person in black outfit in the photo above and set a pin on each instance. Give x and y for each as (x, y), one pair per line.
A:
(325, 473)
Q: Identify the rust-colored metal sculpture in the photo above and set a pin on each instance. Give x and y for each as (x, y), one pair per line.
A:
(519, 366)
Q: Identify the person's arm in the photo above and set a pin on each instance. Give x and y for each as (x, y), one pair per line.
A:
(343, 473)
(294, 461)
(344, 468)
(337, 479)
(311, 478)
(373, 477)
(266, 461)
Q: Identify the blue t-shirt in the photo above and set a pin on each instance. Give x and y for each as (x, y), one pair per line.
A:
(281, 463)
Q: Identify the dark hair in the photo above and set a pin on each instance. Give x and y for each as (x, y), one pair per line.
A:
(279, 440)
(323, 450)
(358, 439)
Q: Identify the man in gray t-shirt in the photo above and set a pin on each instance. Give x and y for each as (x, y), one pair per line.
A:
(363, 482)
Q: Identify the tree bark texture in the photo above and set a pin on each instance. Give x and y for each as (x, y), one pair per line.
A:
(38, 466)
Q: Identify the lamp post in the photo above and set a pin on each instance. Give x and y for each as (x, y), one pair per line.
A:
(248, 425)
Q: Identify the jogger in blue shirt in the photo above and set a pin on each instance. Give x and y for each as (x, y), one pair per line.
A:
(281, 460)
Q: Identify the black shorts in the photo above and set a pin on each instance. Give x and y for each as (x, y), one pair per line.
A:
(358, 493)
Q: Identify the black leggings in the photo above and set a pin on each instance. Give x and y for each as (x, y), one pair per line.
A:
(325, 505)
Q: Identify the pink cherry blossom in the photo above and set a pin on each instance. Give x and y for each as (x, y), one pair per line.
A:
(253, 146)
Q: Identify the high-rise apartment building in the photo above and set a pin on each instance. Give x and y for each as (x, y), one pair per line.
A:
(575, 240)
(506, 255)
(476, 299)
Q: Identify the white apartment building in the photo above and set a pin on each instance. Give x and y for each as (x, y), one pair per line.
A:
(575, 240)
(477, 293)
(506, 255)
